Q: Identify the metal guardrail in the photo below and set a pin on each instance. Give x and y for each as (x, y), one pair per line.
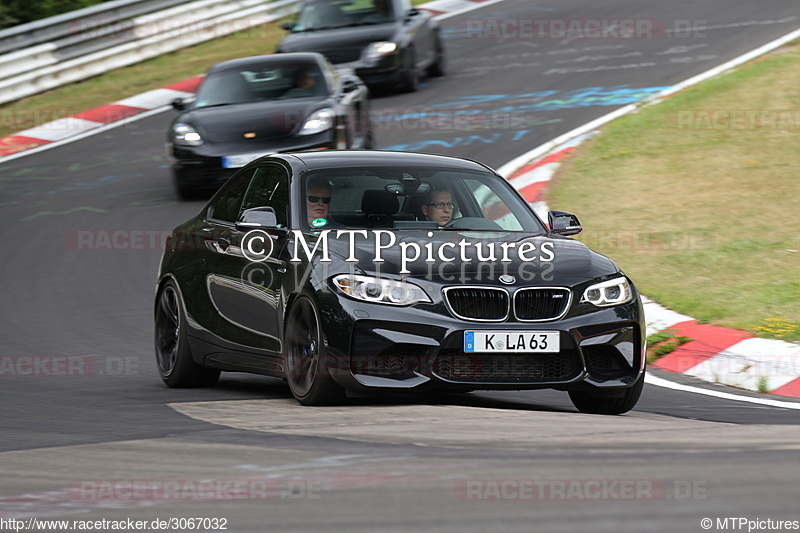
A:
(66, 24)
(91, 41)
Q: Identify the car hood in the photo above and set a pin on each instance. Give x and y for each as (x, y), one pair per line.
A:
(324, 40)
(267, 120)
(549, 260)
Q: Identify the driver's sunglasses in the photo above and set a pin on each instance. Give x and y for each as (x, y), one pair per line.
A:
(442, 205)
(315, 199)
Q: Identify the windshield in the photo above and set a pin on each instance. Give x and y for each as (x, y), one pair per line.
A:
(229, 87)
(326, 14)
(422, 199)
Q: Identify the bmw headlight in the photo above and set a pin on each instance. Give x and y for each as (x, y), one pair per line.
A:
(185, 134)
(380, 290)
(612, 292)
(318, 122)
(380, 49)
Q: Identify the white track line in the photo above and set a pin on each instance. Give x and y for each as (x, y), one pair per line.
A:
(660, 382)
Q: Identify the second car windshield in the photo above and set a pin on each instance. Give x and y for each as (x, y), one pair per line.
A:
(326, 14)
(254, 84)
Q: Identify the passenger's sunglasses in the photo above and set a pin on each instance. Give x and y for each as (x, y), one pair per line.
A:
(315, 199)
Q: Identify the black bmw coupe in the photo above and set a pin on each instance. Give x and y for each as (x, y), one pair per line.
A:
(387, 42)
(246, 108)
(347, 270)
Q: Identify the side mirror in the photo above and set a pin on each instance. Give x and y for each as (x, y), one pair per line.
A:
(349, 85)
(178, 104)
(411, 14)
(564, 223)
(288, 26)
(257, 218)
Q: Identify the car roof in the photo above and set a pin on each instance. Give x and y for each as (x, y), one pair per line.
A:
(372, 158)
(271, 60)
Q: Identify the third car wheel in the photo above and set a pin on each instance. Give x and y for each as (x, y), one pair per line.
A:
(173, 355)
(587, 402)
(411, 74)
(305, 357)
(438, 67)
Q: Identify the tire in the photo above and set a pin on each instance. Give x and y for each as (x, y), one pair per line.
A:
(369, 141)
(185, 192)
(173, 354)
(411, 75)
(305, 357)
(589, 403)
(439, 66)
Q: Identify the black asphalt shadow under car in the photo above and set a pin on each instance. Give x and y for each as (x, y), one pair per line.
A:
(246, 108)
(335, 271)
(386, 42)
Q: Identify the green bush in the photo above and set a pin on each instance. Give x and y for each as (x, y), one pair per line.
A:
(15, 12)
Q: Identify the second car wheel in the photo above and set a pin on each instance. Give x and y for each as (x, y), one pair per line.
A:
(437, 68)
(306, 357)
(173, 354)
(410, 75)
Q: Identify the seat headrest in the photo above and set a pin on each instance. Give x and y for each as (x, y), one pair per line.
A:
(379, 203)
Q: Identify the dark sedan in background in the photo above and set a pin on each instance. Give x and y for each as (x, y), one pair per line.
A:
(246, 108)
(336, 270)
(386, 42)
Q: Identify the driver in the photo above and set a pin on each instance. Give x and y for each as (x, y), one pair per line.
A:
(318, 202)
(438, 206)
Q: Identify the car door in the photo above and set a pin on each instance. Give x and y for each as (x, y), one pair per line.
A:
(247, 293)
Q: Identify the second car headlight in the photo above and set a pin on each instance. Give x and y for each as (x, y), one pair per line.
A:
(380, 49)
(319, 121)
(612, 292)
(380, 290)
(186, 134)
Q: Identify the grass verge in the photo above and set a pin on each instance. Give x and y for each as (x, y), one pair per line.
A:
(697, 198)
(135, 79)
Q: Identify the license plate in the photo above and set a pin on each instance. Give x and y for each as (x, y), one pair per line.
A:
(240, 160)
(511, 341)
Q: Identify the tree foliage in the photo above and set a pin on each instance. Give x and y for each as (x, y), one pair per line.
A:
(15, 12)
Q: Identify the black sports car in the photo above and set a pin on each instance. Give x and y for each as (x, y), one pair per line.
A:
(397, 271)
(386, 42)
(246, 108)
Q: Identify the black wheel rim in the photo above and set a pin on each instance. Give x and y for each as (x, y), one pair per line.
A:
(168, 326)
(302, 348)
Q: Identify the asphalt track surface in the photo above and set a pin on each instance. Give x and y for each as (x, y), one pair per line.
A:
(384, 464)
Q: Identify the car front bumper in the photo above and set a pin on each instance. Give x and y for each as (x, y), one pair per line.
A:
(401, 348)
(204, 166)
